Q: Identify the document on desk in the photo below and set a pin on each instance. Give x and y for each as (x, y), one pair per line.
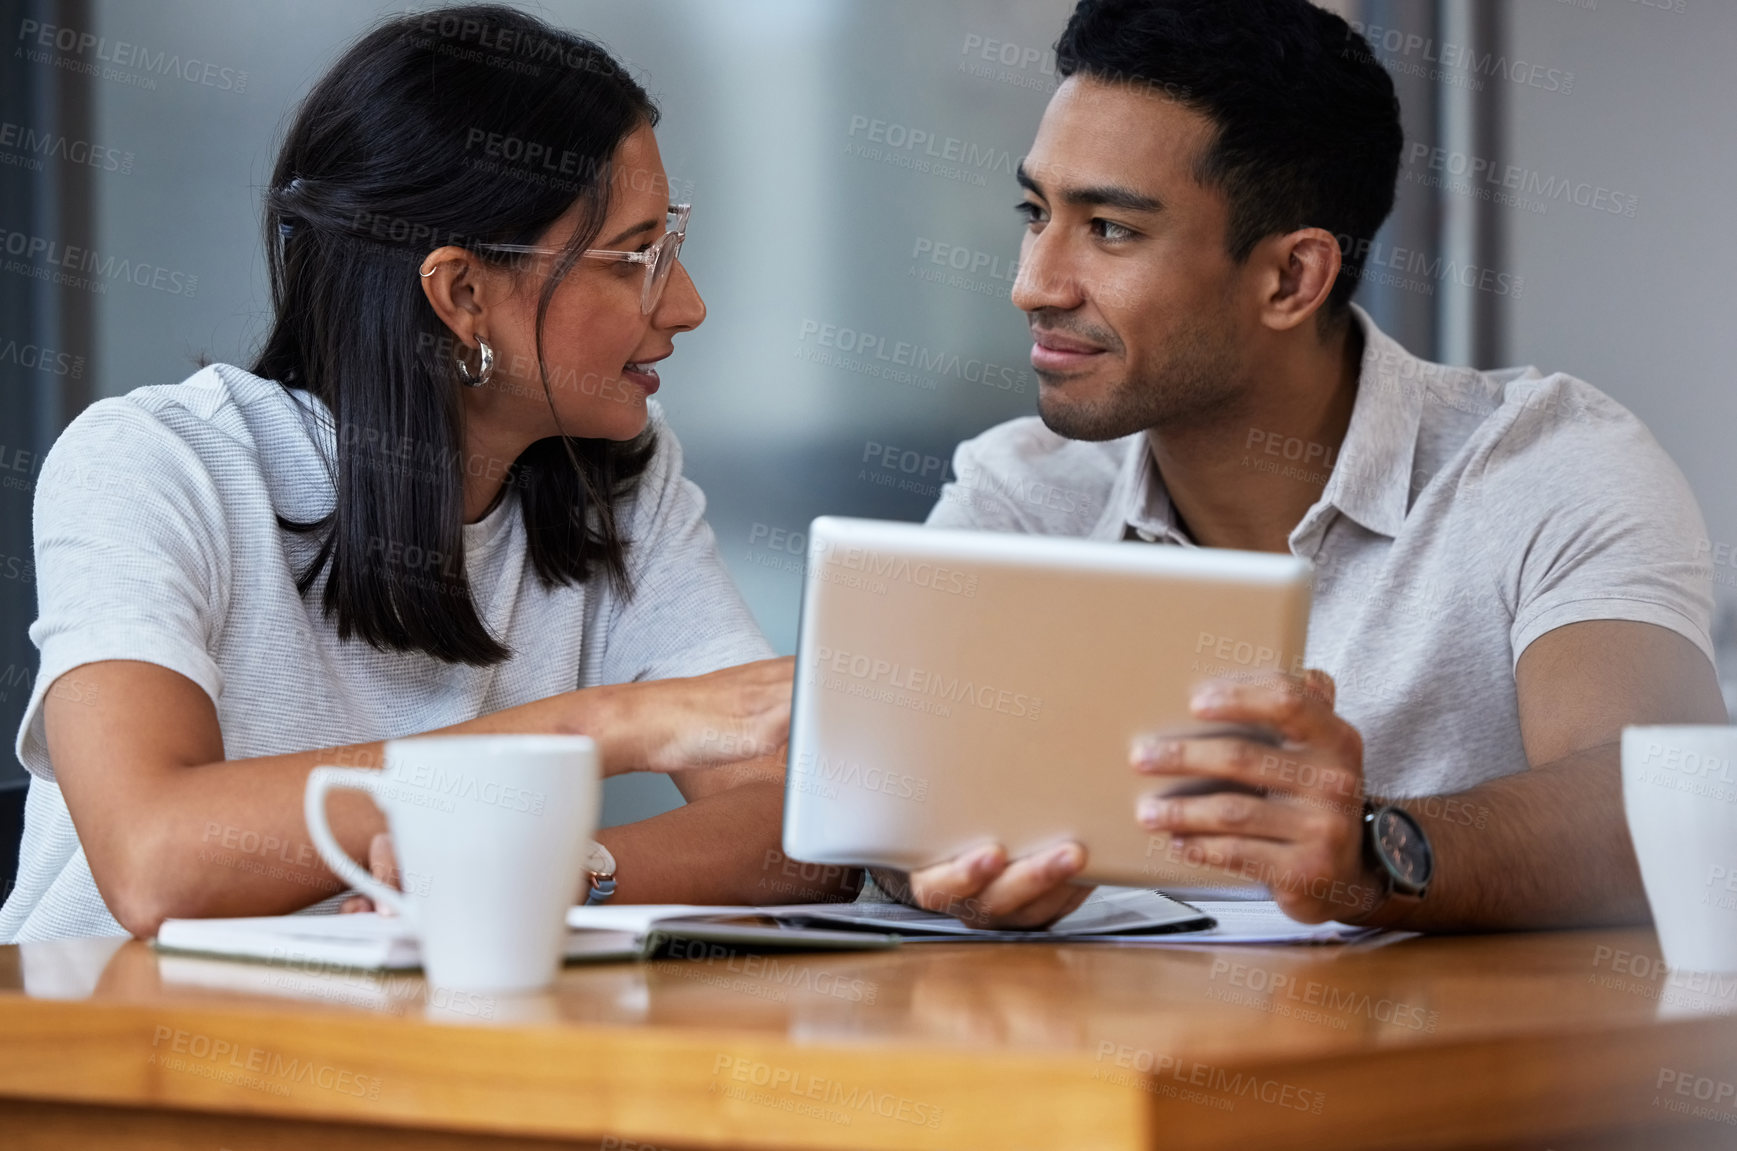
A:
(1253, 921)
(1108, 913)
(1123, 915)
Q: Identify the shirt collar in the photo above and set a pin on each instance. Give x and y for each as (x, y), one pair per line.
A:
(1139, 505)
(1371, 478)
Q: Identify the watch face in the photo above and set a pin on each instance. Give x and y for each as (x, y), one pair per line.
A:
(1402, 846)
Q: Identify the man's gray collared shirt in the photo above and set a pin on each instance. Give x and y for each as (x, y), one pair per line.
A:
(1465, 514)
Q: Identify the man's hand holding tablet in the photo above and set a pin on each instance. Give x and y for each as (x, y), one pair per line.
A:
(1301, 832)
(983, 888)
(1296, 827)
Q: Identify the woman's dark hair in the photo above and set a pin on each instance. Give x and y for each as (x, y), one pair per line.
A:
(462, 126)
(1308, 125)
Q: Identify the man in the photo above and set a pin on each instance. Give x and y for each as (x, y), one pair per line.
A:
(1505, 561)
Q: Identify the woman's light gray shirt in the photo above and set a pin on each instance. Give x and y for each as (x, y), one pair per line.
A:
(156, 539)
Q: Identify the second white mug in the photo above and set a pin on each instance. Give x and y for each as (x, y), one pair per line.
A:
(1679, 787)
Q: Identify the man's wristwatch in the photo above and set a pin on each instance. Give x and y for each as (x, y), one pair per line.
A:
(600, 866)
(1399, 851)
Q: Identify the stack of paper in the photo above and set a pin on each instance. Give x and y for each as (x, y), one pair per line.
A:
(1112, 915)
(1125, 915)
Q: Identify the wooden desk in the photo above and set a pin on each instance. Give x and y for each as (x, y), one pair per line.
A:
(1549, 1040)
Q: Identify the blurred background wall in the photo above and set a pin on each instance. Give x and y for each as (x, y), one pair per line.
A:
(809, 134)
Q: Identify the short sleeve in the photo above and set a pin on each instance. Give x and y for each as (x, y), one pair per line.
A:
(129, 550)
(1595, 520)
(684, 616)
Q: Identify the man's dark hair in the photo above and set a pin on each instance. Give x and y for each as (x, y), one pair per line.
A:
(1308, 125)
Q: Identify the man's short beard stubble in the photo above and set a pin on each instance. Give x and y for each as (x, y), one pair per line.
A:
(1196, 385)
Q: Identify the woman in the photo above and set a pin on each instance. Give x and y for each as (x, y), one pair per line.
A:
(440, 500)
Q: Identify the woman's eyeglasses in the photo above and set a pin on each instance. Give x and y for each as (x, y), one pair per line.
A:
(659, 259)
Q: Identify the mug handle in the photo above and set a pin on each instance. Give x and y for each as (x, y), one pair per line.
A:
(322, 780)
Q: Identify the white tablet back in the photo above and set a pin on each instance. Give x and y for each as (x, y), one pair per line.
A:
(960, 688)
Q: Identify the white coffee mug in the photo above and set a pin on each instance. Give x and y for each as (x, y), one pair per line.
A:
(491, 834)
(1679, 788)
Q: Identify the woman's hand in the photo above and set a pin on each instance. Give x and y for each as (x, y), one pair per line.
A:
(702, 721)
(383, 866)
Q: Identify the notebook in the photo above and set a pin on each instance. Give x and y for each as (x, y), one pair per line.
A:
(374, 942)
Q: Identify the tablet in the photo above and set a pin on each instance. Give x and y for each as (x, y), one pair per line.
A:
(960, 688)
